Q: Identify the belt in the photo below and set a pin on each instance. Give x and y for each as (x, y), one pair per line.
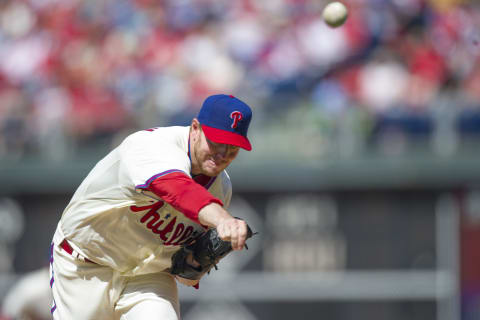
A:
(68, 249)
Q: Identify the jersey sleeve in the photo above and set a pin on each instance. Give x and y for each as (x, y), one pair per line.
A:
(183, 193)
(146, 156)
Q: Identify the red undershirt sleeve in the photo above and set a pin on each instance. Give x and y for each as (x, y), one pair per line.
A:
(183, 193)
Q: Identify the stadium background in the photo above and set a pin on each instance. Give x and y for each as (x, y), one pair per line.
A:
(363, 180)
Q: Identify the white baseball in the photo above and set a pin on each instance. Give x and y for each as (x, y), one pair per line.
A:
(335, 14)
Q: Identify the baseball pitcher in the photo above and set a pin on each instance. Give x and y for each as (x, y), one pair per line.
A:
(149, 214)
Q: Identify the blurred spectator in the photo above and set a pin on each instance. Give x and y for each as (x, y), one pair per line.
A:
(11, 229)
(383, 83)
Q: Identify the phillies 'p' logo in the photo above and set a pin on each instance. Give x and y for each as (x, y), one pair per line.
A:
(236, 116)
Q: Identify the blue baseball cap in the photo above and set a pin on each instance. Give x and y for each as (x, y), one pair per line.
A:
(225, 119)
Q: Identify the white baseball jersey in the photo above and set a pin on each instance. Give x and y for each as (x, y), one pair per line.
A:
(112, 220)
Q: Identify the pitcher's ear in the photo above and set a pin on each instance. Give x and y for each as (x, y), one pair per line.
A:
(195, 124)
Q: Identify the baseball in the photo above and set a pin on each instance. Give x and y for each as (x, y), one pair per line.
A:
(335, 14)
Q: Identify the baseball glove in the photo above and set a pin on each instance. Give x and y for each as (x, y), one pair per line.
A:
(208, 249)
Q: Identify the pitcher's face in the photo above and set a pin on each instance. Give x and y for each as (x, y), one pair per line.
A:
(209, 158)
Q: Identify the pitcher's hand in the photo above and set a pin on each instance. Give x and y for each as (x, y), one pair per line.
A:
(233, 230)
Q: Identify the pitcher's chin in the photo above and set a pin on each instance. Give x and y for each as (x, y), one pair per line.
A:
(212, 169)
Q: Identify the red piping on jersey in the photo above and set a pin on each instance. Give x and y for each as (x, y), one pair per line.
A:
(182, 193)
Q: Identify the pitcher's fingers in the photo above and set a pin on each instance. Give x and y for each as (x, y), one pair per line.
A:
(224, 232)
(235, 239)
(241, 235)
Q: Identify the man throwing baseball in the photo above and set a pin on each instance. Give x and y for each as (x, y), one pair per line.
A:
(159, 189)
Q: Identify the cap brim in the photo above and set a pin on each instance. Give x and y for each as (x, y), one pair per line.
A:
(226, 137)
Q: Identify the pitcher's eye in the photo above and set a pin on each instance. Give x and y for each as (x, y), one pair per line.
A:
(211, 143)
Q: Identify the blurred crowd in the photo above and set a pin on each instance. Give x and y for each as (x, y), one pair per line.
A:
(81, 73)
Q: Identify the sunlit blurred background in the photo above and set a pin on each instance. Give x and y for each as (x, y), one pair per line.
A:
(364, 176)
